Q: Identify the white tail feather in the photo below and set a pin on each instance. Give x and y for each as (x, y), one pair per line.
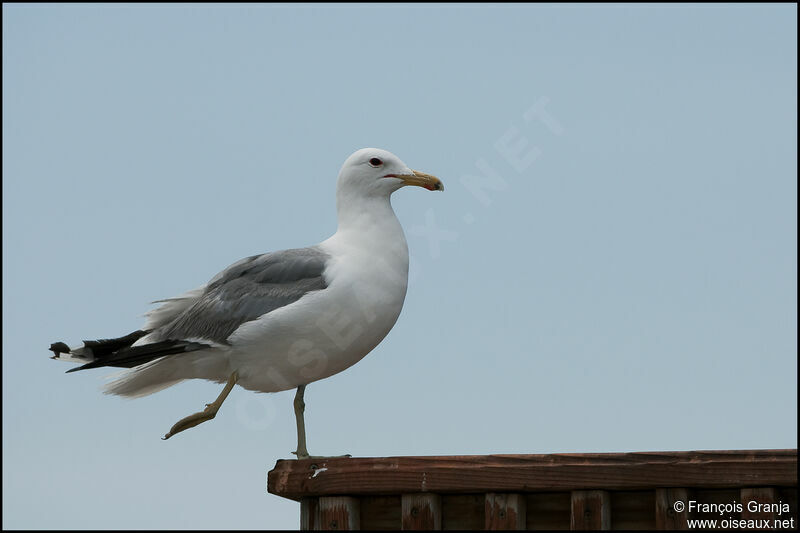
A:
(141, 381)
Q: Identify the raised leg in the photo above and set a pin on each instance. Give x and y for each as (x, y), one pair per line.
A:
(206, 414)
(299, 410)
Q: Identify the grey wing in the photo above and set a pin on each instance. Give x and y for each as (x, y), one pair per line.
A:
(170, 308)
(245, 291)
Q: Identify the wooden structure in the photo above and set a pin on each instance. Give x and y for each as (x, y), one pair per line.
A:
(646, 490)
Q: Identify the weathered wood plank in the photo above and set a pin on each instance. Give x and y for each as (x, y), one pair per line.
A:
(789, 496)
(380, 513)
(670, 515)
(533, 473)
(505, 511)
(707, 503)
(757, 504)
(339, 513)
(549, 511)
(462, 512)
(309, 514)
(633, 510)
(421, 511)
(591, 510)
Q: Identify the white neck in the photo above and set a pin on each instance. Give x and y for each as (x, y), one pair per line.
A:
(367, 215)
(370, 234)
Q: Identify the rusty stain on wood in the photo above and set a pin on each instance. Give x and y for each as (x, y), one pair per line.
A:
(668, 514)
(591, 510)
(421, 511)
(505, 511)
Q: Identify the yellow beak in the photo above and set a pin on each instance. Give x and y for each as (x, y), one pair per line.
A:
(420, 179)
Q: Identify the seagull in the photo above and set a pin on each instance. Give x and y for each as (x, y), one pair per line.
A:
(280, 320)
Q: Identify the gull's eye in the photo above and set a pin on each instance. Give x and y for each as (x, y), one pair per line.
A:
(375, 162)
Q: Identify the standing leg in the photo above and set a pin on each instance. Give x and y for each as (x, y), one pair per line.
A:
(299, 410)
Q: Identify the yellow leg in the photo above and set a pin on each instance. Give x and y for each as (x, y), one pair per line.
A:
(299, 411)
(206, 414)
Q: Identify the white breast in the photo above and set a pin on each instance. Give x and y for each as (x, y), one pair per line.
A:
(328, 331)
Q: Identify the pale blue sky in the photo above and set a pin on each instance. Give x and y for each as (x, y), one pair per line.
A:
(627, 283)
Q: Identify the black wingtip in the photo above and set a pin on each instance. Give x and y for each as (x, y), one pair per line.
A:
(82, 367)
